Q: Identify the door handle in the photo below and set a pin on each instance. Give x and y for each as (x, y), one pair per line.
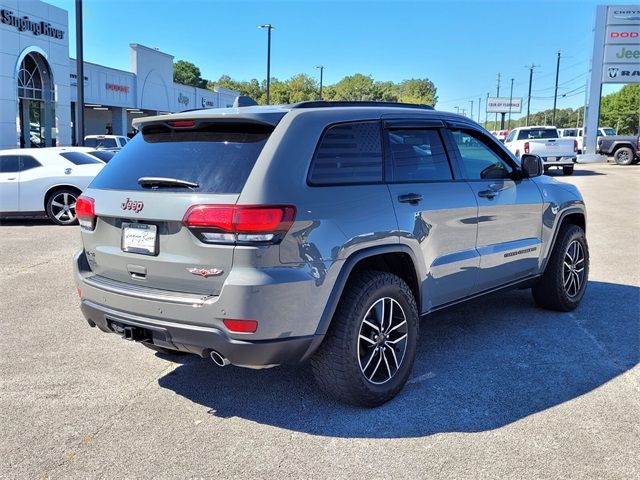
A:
(490, 194)
(412, 198)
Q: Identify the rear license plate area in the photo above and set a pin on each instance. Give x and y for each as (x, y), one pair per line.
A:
(139, 238)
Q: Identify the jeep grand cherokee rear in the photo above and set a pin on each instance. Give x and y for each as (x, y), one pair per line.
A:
(267, 235)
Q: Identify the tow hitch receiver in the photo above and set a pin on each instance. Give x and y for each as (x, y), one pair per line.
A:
(127, 332)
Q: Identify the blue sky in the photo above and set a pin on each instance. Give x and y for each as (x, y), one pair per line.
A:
(460, 46)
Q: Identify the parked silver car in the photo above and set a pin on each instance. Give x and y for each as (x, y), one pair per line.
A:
(318, 231)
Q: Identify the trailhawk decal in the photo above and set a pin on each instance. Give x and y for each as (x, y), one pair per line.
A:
(520, 252)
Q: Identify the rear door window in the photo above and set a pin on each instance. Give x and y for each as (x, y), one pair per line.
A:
(348, 153)
(217, 157)
(27, 163)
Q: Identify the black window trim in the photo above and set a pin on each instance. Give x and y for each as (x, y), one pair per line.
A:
(493, 144)
(415, 125)
(347, 184)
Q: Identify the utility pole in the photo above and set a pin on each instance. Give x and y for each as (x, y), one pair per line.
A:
(321, 67)
(464, 112)
(471, 109)
(457, 109)
(497, 95)
(510, 100)
(80, 76)
(555, 95)
(486, 112)
(531, 67)
(269, 27)
(479, 108)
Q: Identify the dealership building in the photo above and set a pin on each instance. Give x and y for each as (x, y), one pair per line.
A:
(38, 82)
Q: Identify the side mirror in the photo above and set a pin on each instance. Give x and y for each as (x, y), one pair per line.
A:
(531, 165)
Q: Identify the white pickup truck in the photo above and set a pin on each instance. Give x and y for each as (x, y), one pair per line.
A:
(576, 133)
(544, 142)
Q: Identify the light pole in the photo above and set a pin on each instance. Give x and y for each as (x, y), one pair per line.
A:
(529, 96)
(457, 109)
(269, 27)
(321, 67)
(79, 120)
(510, 101)
(471, 109)
(555, 94)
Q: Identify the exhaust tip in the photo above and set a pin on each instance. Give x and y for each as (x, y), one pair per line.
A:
(218, 359)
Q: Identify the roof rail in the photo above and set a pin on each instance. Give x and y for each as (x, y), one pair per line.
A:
(344, 103)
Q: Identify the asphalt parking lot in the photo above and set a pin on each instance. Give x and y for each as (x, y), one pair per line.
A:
(500, 388)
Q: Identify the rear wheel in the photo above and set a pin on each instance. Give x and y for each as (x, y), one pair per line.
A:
(368, 352)
(567, 170)
(564, 281)
(61, 206)
(623, 156)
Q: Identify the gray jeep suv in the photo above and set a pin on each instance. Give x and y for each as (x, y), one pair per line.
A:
(319, 231)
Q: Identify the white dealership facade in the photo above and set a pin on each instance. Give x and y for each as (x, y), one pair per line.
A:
(38, 82)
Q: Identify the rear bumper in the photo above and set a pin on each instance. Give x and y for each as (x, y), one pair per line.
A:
(194, 324)
(202, 340)
(558, 161)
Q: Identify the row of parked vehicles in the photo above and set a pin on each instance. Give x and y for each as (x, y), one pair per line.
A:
(553, 144)
(48, 181)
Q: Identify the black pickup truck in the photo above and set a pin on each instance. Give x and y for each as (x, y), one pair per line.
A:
(625, 150)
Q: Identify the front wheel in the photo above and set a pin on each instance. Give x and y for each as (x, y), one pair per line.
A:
(368, 352)
(623, 156)
(567, 170)
(564, 281)
(61, 206)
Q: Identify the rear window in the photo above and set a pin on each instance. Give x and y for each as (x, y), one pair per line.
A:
(101, 142)
(536, 133)
(79, 158)
(349, 153)
(218, 157)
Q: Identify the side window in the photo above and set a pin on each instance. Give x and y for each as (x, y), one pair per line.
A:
(27, 163)
(479, 161)
(511, 136)
(348, 153)
(9, 163)
(417, 156)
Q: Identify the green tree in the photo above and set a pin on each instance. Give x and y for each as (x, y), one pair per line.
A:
(621, 110)
(418, 90)
(356, 87)
(186, 73)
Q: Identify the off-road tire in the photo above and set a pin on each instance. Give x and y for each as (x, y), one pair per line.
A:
(336, 365)
(550, 292)
(567, 170)
(623, 156)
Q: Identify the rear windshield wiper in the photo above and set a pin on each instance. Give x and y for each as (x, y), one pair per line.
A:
(159, 182)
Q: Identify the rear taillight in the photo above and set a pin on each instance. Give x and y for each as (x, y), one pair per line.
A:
(575, 145)
(240, 223)
(86, 212)
(526, 147)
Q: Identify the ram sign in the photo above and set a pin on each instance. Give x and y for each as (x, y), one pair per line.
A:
(501, 105)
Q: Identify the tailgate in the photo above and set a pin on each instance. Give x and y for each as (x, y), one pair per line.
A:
(135, 232)
(139, 238)
(552, 147)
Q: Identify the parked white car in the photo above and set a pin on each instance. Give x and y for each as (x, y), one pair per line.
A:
(545, 142)
(105, 141)
(37, 181)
